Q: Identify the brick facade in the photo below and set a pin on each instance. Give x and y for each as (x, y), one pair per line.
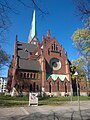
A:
(50, 56)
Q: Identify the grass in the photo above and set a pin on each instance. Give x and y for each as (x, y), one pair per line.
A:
(82, 98)
(24, 98)
(10, 103)
(60, 100)
(7, 101)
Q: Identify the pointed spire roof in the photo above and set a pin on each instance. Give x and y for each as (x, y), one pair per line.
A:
(32, 33)
(48, 33)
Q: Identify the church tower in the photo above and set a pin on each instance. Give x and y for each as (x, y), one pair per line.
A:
(32, 38)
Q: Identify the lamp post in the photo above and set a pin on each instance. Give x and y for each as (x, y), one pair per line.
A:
(76, 75)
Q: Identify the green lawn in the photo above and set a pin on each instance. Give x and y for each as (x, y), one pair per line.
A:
(7, 101)
(60, 100)
(13, 101)
(24, 98)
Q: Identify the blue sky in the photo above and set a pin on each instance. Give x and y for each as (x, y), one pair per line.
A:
(62, 21)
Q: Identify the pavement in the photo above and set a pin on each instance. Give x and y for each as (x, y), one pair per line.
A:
(68, 111)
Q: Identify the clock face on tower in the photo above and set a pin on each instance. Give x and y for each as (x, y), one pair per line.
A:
(55, 64)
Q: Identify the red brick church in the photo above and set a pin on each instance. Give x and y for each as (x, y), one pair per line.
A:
(39, 67)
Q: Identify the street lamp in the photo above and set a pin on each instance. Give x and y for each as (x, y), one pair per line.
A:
(76, 75)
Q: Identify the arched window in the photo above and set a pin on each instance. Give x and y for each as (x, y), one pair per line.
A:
(24, 75)
(38, 76)
(56, 47)
(50, 87)
(31, 75)
(60, 53)
(34, 76)
(65, 87)
(58, 85)
(52, 47)
(21, 75)
(48, 51)
(27, 75)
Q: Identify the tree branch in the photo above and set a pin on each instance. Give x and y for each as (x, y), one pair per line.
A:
(36, 6)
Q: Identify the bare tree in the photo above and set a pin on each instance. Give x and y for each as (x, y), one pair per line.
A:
(7, 7)
(83, 8)
(4, 58)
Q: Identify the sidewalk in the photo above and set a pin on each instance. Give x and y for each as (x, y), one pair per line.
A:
(67, 111)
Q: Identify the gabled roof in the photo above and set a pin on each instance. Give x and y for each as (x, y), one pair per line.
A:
(29, 65)
(23, 49)
(23, 53)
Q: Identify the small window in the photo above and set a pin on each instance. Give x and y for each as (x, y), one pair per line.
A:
(21, 75)
(56, 47)
(37, 75)
(31, 75)
(24, 75)
(60, 53)
(48, 51)
(27, 75)
(34, 76)
(50, 87)
(58, 86)
(52, 47)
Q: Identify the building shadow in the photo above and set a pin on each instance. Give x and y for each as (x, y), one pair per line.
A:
(69, 115)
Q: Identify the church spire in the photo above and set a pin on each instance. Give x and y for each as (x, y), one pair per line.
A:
(32, 33)
(48, 33)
